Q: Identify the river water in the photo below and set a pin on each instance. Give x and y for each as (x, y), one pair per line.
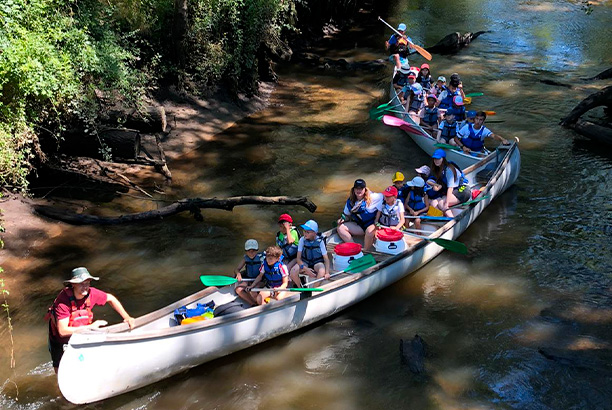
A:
(538, 274)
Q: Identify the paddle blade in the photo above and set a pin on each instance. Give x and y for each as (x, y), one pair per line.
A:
(212, 280)
(474, 95)
(392, 121)
(490, 112)
(467, 100)
(452, 246)
(363, 263)
(421, 51)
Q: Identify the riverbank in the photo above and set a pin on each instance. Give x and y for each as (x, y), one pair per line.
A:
(194, 122)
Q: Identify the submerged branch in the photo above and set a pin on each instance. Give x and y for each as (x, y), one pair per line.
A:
(192, 205)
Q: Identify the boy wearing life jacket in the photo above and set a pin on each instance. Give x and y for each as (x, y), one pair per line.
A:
(398, 183)
(248, 268)
(471, 137)
(417, 202)
(440, 86)
(391, 211)
(312, 259)
(273, 274)
(430, 115)
(447, 130)
(287, 239)
(71, 311)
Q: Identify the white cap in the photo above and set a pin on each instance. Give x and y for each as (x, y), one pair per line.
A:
(251, 244)
(417, 182)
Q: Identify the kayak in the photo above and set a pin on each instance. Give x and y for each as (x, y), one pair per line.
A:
(117, 360)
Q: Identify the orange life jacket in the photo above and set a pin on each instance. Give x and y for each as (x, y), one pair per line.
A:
(78, 317)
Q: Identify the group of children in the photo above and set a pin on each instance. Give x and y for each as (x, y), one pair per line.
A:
(292, 256)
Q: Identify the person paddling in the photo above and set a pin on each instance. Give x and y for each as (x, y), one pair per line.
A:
(473, 136)
(71, 311)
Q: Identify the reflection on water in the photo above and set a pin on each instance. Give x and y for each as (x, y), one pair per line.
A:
(537, 274)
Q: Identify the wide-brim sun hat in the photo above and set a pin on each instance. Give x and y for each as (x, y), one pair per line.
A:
(404, 70)
(439, 153)
(80, 275)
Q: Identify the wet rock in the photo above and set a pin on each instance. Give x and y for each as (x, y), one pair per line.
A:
(412, 354)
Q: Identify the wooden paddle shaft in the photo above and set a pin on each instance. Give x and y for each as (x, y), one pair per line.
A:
(419, 49)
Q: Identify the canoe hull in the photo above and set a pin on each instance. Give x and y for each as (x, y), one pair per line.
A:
(117, 362)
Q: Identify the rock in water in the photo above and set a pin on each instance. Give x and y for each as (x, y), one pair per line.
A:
(412, 353)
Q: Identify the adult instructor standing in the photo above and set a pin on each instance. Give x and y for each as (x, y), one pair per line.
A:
(71, 310)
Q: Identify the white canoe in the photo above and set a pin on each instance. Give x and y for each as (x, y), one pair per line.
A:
(425, 141)
(116, 360)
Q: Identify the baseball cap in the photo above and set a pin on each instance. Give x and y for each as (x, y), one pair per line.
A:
(449, 112)
(442, 78)
(310, 226)
(417, 88)
(412, 75)
(439, 153)
(398, 176)
(424, 65)
(359, 183)
(401, 27)
(423, 170)
(285, 218)
(471, 114)
(417, 182)
(458, 100)
(251, 244)
(432, 96)
(390, 191)
(80, 275)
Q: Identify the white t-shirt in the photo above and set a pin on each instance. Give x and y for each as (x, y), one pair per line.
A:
(464, 132)
(301, 246)
(452, 182)
(375, 201)
(400, 208)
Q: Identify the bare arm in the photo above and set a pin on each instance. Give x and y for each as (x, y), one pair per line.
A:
(500, 138)
(65, 331)
(326, 262)
(115, 304)
(238, 269)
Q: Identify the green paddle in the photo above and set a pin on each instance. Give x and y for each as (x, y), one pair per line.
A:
(382, 109)
(449, 146)
(213, 280)
(473, 201)
(474, 95)
(355, 266)
(447, 244)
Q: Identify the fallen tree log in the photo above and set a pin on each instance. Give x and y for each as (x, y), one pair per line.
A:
(601, 76)
(124, 143)
(601, 98)
(454, 42)
(192, 205)
(593, 131)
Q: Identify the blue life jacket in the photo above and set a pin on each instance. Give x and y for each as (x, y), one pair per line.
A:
(402, 193)
(289, 250)
(425, 82)
(448, 131)
(273, 274)
(416, 201)
(362, 217)
(463, 181)
(400, 79)
(251, 266)
(311, 254)
(459, 111)
(431, 116)
(416, 102)
(447, 102)
(430, 192)
(474, 139)
(389, 214)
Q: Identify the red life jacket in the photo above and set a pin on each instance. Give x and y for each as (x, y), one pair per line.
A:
(78, 317)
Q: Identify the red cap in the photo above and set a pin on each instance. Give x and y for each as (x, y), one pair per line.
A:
(424, 65)
(285, 218)
(390, 191)
(412, 76)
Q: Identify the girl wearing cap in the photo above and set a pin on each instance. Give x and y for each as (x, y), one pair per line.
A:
(424, 77)
(312, 259)
(391, 212)
(454, 189)
(287, 239)
(400, 79)
(359, 214)
(417, 202)
(248, 268)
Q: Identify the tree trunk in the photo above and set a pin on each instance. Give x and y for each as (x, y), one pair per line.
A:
(593, 131)
(192, 205)
(179, 30)
(602, 97)
(148, 119)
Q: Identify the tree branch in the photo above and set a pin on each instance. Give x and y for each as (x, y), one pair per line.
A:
(189, 204)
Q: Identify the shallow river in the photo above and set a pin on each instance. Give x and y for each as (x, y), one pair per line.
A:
(538, 273)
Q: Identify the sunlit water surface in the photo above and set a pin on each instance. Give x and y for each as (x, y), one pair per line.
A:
(538, 274)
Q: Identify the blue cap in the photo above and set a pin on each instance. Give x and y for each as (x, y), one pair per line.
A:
(401, 27)
(439, 153)
(471, 114)
(310, 226)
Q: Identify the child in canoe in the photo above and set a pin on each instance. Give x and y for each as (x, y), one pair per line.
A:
(312, 259)
(391, 211)
(417, 202)
(272, 274)
(248, 268)
(430, 115)
(447, 130)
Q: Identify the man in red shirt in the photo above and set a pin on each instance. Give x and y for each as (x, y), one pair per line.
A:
(71, 310)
